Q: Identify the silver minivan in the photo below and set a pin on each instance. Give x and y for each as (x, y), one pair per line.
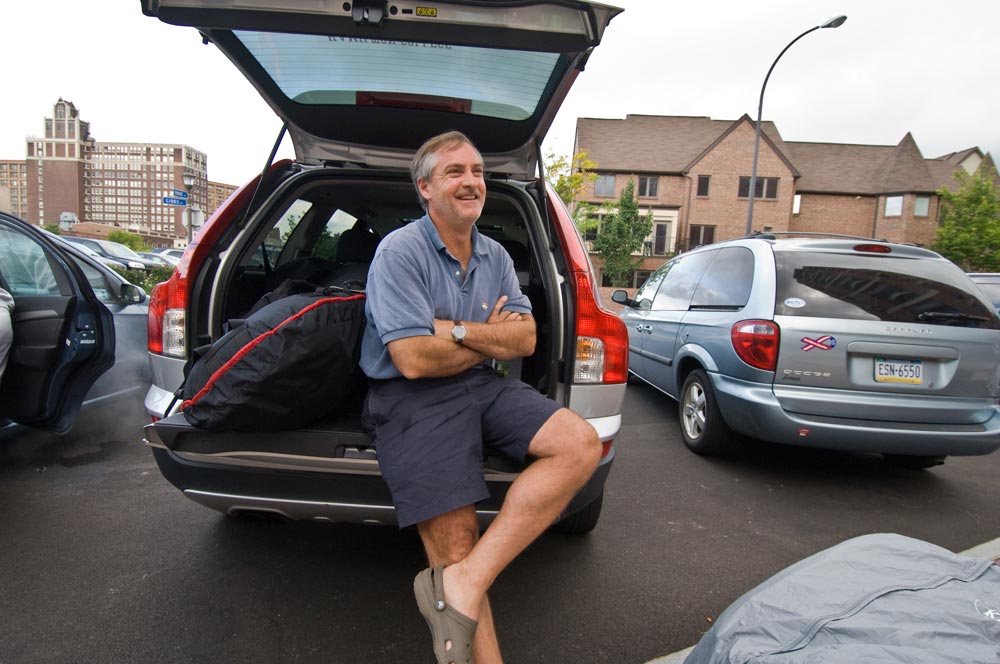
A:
(839, 343)
(359, 87)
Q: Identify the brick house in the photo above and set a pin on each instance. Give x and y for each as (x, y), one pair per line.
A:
(693, 174)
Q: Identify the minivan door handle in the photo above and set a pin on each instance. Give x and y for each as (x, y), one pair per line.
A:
(648, 329)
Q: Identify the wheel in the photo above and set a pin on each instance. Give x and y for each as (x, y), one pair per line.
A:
(702, 427)
(913, 461)
(583, 521)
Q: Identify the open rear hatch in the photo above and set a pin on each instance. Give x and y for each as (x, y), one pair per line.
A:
(366, 82)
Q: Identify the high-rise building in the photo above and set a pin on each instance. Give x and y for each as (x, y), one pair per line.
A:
(14, 186)
(73, 177)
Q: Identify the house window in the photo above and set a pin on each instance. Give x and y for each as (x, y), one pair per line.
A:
(893, 206)
(661, 239)
(700, 235)
(765, 188)
(604, 185)
(796, 203)
(647, 186)
(922, 206)
(703, 183)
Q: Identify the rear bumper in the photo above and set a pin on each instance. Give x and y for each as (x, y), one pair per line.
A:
(358, 497)
(753, 410)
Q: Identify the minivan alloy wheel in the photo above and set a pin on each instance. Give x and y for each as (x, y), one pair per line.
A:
(702, 427)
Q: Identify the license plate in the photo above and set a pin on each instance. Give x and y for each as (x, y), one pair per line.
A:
(893, 370)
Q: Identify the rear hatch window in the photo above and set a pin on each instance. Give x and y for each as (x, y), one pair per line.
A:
(878, 288)
(367, 82)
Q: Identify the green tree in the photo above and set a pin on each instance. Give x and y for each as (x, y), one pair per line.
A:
(621, 234)
(130, 240)
(52, 228)
(569, 177)
(969, 234)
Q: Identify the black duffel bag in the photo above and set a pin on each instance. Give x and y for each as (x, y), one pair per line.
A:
(286, 365)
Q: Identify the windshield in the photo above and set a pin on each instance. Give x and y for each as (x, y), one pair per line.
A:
(316, 69)
(119, 250)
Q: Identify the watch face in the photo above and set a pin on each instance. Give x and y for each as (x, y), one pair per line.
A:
(458, 332)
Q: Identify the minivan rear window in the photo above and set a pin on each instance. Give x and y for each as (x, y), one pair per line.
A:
(318, 69)
(880, 288)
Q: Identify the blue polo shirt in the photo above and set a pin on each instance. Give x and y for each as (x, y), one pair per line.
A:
(414, 279)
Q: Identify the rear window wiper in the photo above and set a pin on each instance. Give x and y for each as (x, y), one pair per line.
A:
(943, 315)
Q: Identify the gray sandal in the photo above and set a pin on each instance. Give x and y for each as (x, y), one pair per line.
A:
(446, 623)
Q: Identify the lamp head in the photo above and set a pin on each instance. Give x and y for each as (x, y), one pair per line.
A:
(188, 180)
(834, 22)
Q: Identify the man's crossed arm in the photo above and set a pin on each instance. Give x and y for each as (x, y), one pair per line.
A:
(504, 336)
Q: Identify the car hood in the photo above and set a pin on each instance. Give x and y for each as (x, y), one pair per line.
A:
(367, 82)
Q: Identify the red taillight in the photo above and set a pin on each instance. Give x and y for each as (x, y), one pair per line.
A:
(873, 248)
(756, 343)
(601, 353)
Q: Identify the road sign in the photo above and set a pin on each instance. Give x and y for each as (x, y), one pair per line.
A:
(167, 200)
(179, 193)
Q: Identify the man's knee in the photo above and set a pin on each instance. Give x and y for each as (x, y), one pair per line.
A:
(571, 437)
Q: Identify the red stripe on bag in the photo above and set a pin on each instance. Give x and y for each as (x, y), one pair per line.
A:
(218, 373)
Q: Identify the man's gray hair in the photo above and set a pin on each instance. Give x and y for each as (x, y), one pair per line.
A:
(426, 158)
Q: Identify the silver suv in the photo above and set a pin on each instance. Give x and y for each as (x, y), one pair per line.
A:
(848, 343)
(360, 86)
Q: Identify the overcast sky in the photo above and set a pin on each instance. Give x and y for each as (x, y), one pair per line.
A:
(928, 67)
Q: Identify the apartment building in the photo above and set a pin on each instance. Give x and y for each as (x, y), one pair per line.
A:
(72, 177)
(694, 174)
(13, 186)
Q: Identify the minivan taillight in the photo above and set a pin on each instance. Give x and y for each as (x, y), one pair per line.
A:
(756, 343)
(601, 352)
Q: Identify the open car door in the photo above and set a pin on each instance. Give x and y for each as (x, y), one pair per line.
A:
(64, 338)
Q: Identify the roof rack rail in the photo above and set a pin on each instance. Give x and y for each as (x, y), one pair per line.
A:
(771, 235)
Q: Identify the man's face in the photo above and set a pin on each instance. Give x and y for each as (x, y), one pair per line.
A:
(456, 190)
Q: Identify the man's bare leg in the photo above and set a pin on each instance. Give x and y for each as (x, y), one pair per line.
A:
(448, 539)
(566, 451)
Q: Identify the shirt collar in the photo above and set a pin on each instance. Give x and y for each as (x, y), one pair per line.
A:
(432, 234)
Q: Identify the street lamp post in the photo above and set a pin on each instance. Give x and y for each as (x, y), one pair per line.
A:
(835, 22)
(188, 179)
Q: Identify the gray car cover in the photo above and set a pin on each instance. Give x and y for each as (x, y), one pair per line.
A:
(877, 598)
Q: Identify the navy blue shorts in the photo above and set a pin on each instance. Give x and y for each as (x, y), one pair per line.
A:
(429, 436)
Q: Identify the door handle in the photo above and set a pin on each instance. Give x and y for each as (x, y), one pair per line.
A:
(639, 327)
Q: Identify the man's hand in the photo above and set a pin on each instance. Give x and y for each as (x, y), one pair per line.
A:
(500, 316)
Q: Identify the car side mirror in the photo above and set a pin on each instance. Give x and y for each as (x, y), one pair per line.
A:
(621, 297)
(132, 294)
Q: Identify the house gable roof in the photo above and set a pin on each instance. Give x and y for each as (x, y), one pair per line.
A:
(673, 145)
(655, 143)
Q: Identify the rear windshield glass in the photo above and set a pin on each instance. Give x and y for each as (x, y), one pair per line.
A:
(316, 69)
(877, 288)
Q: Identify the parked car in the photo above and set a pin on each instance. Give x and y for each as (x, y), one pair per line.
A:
(168, 251)
(79, 330)
(115, 251)
(849, 344)
(161, 259)
(989, 283)
(377, 90)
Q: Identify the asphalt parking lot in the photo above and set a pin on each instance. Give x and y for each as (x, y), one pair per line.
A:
(106, 562)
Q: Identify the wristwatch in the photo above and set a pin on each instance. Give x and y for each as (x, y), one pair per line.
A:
(458, 332)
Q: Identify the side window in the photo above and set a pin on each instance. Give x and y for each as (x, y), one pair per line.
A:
(25, 266)
(676, 291)
(96, 280)
(278, 237)
(727, 281)
(644, 296)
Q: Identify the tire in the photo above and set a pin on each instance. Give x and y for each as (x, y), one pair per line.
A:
(913, 461)
(582, 522)
(702, 427)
